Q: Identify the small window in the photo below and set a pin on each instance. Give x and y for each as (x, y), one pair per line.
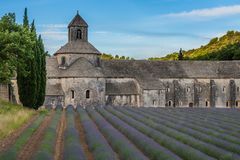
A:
(237, 89)
(72, 92)
(206, 103)
(87, 94)
(180, 103)
(200, 89)
(170, 103)
(224, 88)
(168, 89)
(98, 62)
(63, 60)
(53, 101)
(236, 103)
(154, 102)
(227, 104)
(188, 89)
(79, 34)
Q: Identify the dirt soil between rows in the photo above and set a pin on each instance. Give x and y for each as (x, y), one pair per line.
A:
(60, 137)
(7, 142)
(31, 146)
(82, 137)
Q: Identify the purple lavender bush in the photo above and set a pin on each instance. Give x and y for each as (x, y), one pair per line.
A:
(121, 145)
(72, 147)
(146, 144)
(182, 150)
(95, 140)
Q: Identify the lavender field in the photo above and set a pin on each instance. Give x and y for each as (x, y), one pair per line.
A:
(124, 133)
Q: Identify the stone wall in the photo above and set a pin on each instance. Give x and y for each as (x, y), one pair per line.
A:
(218, 93)
(54, 100)
(154, 98)
(70, 58)
(170, 93)
(4, 92)
(79, 87)
(125, 94)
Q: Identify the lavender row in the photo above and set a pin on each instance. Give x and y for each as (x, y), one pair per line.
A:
(190, 120)
(207, 148)
(222, 121)
(201, 127)
(95, 140)
(152, 149)
(72, 148)
(203, 137)
(184, 151)
(231, 114)
(125, 149)
(47, 147)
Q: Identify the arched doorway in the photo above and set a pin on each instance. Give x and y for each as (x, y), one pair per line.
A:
(190, 105)
(170, 103)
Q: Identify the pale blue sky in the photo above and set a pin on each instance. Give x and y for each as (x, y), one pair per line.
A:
(136, 28)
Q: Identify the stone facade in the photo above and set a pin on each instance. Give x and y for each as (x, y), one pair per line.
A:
(4, 92)
(9, 92)
(76, 76)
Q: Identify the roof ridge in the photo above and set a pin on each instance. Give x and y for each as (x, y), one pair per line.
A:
(78, 21)
(78, 47)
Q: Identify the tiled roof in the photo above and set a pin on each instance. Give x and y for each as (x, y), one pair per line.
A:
(121, 88)
(80, 68)
(78, 47)
(78, 21)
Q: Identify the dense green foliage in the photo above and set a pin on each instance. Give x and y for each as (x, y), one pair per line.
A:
(14, 41)
(32, 86)
(105, 56)
(226, 47)
(22, 52)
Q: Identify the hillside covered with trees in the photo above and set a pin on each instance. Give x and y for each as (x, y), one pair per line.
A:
(226, 47)
(106, 56)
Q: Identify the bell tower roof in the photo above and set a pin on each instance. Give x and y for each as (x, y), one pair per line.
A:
(78, 21)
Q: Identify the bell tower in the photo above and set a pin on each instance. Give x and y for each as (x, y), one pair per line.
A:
(77, 29)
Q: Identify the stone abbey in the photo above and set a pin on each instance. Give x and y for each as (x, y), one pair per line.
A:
(77, 76)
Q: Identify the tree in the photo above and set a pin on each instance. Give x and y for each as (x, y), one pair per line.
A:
(25, 19)
(42, 69)
(13, 43)
(180, 55)
(28, 84)
(22, 52)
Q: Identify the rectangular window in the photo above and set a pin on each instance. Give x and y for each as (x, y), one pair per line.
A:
(53, 101)
(227, 104)
(224, 88)
(87, 94)
(72, 92)
(154, 103)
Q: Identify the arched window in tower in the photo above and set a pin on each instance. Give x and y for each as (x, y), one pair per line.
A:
(72, 94)
(79, 34)
(63, 60)
(87, 94)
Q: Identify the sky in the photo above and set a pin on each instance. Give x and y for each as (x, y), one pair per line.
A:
(135, 28)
